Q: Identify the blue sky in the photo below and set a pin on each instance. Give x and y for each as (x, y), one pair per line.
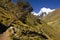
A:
(38, 4)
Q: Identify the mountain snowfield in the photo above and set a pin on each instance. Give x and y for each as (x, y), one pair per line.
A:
(43, 10)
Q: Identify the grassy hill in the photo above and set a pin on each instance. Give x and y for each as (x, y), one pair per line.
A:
(17, 22)
(52, 20)
(30, 27)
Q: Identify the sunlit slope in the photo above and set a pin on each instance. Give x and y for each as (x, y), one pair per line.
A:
(31, 27)
(53, 20)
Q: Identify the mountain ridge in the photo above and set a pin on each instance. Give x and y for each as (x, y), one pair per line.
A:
(43, 12)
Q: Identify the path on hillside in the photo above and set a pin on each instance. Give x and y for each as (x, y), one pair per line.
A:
(5, 36)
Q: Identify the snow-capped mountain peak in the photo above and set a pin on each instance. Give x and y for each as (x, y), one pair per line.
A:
(46, 10)
(43, 10)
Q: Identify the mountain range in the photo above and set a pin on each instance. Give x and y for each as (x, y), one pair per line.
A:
(43, 12)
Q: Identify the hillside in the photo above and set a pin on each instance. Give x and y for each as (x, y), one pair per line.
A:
(53, 20)
(17, 23)
(21, 29)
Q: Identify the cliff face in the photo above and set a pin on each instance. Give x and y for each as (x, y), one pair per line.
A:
(17, 23)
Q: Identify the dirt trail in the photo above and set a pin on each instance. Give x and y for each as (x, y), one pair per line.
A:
(5, 36)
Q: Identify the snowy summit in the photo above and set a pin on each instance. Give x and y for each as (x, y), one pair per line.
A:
(42, 10)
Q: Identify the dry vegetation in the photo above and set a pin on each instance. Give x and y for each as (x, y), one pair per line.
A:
(18, 23)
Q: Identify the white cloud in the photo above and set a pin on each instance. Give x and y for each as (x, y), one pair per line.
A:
(44, 9)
